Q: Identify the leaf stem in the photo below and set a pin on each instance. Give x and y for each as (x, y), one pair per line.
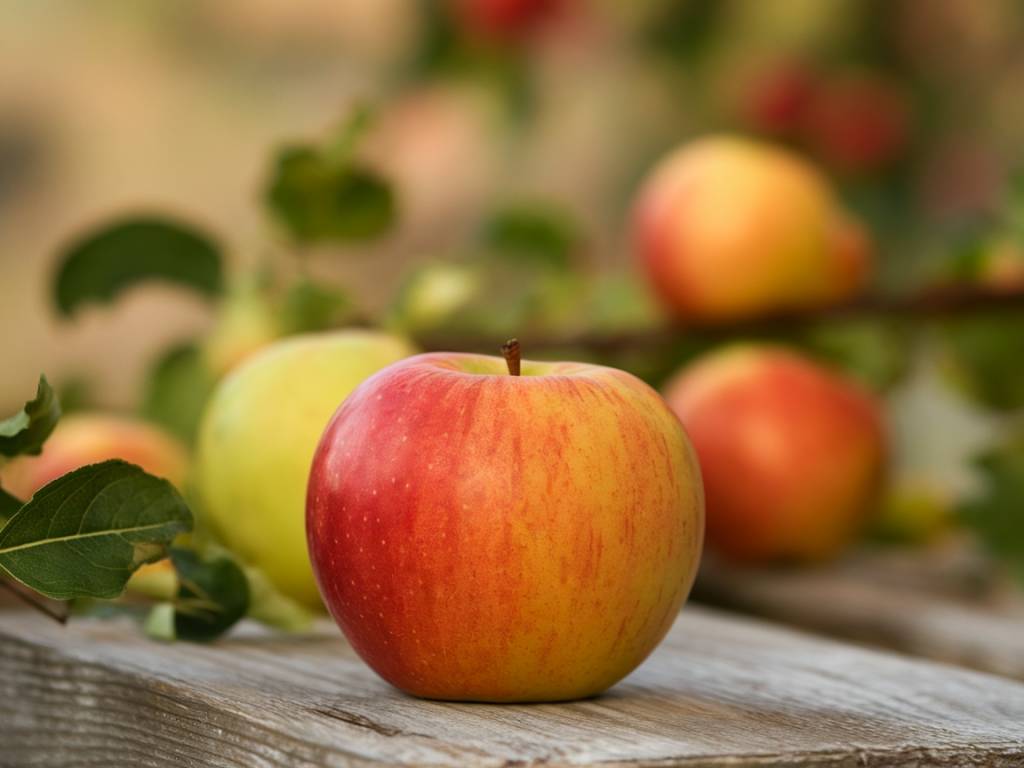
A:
(61, 616)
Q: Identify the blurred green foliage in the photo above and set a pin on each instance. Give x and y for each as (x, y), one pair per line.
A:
(106, 262)
(996, 514)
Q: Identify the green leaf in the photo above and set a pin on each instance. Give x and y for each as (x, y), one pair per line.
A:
(99, 266)
(26, 431)
(9, 505)
(84, 534)
(178, 387)
(537, 233)
(995, 514)
(984, 354)
(312, 306)
(214, 595)
(317, 199)
(877, 354)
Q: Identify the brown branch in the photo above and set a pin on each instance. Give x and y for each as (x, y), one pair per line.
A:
(933, 304)
(40, 604)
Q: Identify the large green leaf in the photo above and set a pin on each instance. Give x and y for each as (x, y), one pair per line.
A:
(214, 594)
(26, 431)
(101, 265)
(8, 506)
(320, 199)
(85, 533)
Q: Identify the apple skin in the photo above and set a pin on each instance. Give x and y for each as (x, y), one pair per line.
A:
(88, 438)
(257, 438)
(728, 228)
(485, 537)
(792, 454)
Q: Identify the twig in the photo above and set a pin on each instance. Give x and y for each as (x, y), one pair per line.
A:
(61, 617)
(935, 303)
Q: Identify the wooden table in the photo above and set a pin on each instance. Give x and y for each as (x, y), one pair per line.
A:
(720, 691)
(946, 605)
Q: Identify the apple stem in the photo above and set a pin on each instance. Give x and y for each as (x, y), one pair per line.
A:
(510, 350)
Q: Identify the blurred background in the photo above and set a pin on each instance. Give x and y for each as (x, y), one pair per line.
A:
(461, 171)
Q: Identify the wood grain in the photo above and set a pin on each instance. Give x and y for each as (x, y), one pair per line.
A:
(947, 608)
(719, 692)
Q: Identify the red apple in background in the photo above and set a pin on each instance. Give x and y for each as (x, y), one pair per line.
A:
(777, 97)
(504, 21)
(493, 537)
(89, 438)
(859, 123)
(729, 228)
(791, 453)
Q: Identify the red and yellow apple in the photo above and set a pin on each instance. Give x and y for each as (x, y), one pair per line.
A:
(88, 438)
(490, 537)
(729, 228)
(256, 441)
(792, 454)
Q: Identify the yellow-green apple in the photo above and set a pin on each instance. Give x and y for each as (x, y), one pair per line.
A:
(245, 323)
(256, 441)
(728, 228)
(485, 536)
(792, 454)
(88, 438)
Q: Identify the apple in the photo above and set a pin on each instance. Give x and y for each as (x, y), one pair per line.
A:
(728, 228)
(486, 536)
(257, 437)
(504, 21)
(859, 123)
(791, 453)
(777, 97)
(88, 438)
(246, 322)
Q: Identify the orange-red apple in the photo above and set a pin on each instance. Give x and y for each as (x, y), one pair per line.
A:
(484, 536)
(791, 453)
(729, 228)
(82, 439)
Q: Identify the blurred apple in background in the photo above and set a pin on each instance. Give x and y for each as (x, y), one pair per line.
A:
(88, 438)
(482, 536)
(257, 438)
(792, 454)
(776, 99)
(439, 145)
(246, 322)
(504, 21)
(728, 228)
(859, 123)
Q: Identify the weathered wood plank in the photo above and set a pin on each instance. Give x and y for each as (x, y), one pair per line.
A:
(942, 608)
(720, 691)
